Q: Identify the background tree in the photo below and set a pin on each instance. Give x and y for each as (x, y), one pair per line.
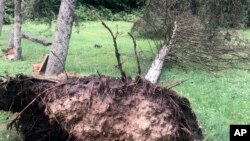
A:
(2, 5)
(58, 54)
(115, 5)
(9, 12)
(17, 30)
(48, 9)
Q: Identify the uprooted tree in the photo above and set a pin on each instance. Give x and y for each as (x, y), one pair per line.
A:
(97, 108)
(165, 26)
(207, 36)
(157, 65)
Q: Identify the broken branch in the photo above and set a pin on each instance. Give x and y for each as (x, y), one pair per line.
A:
(177, 83)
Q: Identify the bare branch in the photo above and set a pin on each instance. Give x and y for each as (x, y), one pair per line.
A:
(117, 54)
(136, 55)
(177, 83)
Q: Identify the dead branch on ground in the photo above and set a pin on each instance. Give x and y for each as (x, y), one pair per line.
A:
(36, 39)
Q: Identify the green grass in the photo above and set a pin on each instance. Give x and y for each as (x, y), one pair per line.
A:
(218, 100)
(246, 33)
(86, 59)
(6, 135)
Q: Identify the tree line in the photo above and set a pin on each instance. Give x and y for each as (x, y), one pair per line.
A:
(49, 9)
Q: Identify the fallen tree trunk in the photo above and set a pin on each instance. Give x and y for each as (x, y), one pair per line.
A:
(157, 65)
(28, 37)
(36, 40)
(97, 108)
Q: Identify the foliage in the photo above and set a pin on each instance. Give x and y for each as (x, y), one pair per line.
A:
(40, 10)
(158, 18)
(159, 15)
(203, 35)
(9, 12)
(89, 13)
(85, 13)
(209, 49)
(223, 13)
(115, 5)
(247, 12)
(35, 10)
(45, 11)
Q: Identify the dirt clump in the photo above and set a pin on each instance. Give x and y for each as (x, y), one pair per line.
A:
(98, 109)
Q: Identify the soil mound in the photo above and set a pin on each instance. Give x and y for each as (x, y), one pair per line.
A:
(98, 109)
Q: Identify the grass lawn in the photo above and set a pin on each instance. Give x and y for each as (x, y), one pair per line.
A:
(218, 100)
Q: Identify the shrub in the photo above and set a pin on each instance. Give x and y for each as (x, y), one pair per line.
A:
(8, 12)
(89, 13)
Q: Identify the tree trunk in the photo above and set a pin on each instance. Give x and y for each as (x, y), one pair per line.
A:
(58, 54)
(2, 5)
(11, 39)
(156, 67)
(17, 30)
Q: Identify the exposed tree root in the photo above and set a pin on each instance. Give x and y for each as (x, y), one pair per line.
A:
(97, 109)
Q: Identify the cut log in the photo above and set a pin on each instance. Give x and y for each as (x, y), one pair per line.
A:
(156, 67)
(28, 37)
(36, 39)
